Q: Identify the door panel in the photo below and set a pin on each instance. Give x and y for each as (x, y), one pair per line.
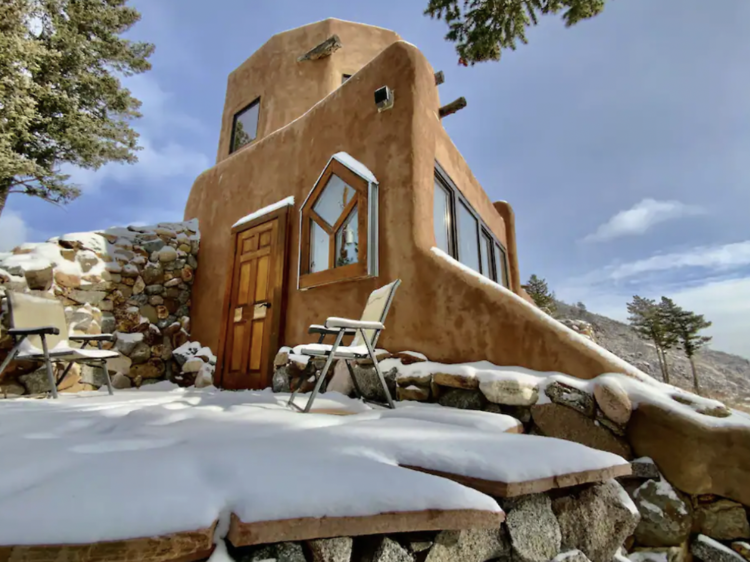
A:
(252, 317)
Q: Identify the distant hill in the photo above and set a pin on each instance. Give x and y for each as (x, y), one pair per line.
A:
(722, 375)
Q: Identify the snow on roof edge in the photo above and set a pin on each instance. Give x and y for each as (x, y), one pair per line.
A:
(288, 201)
(355, 166)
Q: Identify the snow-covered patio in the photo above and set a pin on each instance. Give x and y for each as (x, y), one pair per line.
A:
(160, 460)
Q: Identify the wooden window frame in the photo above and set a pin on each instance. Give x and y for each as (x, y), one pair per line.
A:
(237, 113)
(334, 274)
(455, 197)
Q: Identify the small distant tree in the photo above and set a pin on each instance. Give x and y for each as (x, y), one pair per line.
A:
(685, 326)
(651, 322)
(539, 292)
(580, 306)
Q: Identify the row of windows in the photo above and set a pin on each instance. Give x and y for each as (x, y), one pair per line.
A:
(460, 232)
(339, 225)
(245, 123)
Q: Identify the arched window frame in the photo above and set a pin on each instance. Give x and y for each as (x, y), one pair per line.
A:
(365, 186)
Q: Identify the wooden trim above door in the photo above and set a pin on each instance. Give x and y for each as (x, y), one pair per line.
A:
(278, 310)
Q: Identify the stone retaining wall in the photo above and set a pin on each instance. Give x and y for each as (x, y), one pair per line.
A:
(135, 282)
(671, 521)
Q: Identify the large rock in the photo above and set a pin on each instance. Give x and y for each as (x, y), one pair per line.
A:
(167, 254)
(121, 381)
(533, 529)
(412, 392)
(613, 400)
(280, 552)
(36, 382)
(473, 545)
(463, 399)
(723, 520)
(455, 381)
(10, 389)
(93, 298)
(572, 397)
(387, 551)
(153, 274)
(563, 422)
(697, 458)
(152, 369)
(140, 353)
(665, 519)
(369, 383)
(39, 279)
(125, 343)
(596, 519)
(93, 375)
(708, 550)
(511, 392)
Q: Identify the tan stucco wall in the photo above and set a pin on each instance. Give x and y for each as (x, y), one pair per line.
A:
(439, 310)
(287, 88)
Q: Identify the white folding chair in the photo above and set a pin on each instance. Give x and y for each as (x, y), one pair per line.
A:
(40, 333)
(366, 332)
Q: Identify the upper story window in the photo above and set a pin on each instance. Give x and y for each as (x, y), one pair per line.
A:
(338, 226)
(461, 233)
(245, 125)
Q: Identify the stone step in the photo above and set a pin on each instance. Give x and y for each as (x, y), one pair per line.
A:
(307, 528)
(499, 489)
(187, 546)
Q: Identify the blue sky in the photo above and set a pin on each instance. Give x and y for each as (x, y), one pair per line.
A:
(623, 143)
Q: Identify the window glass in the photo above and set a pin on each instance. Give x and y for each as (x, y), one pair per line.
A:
(347, 240)
(442, 218)
(502, 277)
(245, 126)
(332, 202)
(468, 252)
(319, 247)
(485, 251)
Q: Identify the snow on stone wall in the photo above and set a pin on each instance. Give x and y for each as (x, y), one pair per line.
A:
(134, 281)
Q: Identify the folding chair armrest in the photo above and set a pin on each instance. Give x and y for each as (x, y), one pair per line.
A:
(318, 329)
(335, 322)
(42, 330)
(94, 337)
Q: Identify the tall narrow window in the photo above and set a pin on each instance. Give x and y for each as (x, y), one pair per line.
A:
(336, 232)
(461, 233)
(501, 266)
(245, 125)
(442, 218)
(485, 252)
(468, 242)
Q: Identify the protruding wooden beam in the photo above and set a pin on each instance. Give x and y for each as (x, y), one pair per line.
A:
(452, 107)
(439, 78)
(325, 49)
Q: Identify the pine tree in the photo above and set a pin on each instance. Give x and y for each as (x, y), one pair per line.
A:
(539, 292)
(61, 100)
(649, 321)
(686, 326)
(482, 28)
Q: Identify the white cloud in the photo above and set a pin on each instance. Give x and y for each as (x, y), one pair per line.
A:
(13, 231)
(721, 257)
(163, 155)
(640, 218)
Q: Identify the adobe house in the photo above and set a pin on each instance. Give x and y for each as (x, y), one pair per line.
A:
(374, 192)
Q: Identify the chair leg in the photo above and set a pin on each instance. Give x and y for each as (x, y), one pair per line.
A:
(324, 372)
(48, 363)
(378, 371)
(12, 354)
(106, 371)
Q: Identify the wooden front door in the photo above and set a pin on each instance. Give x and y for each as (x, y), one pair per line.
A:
(254, 307)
